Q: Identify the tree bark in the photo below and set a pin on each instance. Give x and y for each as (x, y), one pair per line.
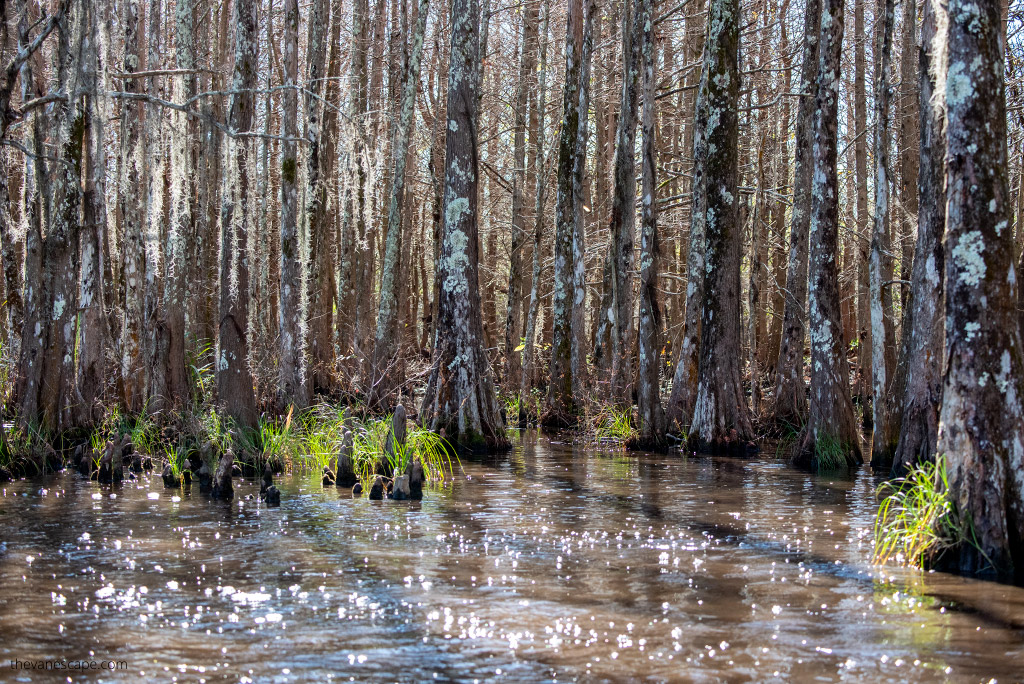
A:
(234, 380)
(721, 418)
(791, 392)
(880, 266)
(623, 216)
(384, 381)
(923, 394)
(860, 155)
(460, 399)
(830, 436)
(524, 89)
(293, 387)
(652, 417)
(134, 170)
(92, 334)
(981, 423)
(561, 406)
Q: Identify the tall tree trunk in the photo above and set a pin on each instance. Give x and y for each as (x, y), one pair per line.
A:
(524, 90)
(721, 418)
(37, 320)
(234, 379)
(384, 379)
(684, 379)
(791, 392)
(981, 423)
(538, 220)
(293, 386)
(880, 267)
(860, 155)
(460, 399)
(169, 328)
(830, 437)
(923, 395)
(92, 335)
(560, 405)
(134, 170)
(911, 116)
(652, 416)
(623, 218)
(60, 247)
(321, 137)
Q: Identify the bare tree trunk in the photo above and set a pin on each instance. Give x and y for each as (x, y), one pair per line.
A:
(721, 418)
(524, 89)
(460, 399)
(981, 423)
(560, 405)
(911, 116)
(134, 171)
(384, 380)
(92, 335)
(791, 392)
(830, 437)
(860, 154)
(234, 379)
(623, 217)
(293, 385)
(923, 395)
(169, 328)
(652, 416)
(880, 267)
(57, 395)
(684, 380)
(37, 320)
(538, 220)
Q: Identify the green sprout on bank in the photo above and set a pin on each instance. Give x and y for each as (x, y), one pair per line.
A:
(917, 521)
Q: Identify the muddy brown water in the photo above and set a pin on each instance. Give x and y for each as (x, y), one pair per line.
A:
(553, 564)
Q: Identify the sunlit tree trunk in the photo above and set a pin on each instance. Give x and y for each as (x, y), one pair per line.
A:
(923, 395)
(460, 398)
(561, 405)
(981, 423)
(830, 436)
(791, 391)
(384, 379)
(234, 379)
(293, 387)
(321, 137)
(721, 418)
(880, 265)
(133, 219)
(684, 381)
(860, 154)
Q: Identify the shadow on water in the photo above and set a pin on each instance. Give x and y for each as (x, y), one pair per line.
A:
(553, 562)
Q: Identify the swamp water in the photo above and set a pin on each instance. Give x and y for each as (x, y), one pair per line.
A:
(552, 563)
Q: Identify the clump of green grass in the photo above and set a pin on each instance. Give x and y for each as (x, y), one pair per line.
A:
(614, 424)
(829, 453)
(917, 521)
(177, 457)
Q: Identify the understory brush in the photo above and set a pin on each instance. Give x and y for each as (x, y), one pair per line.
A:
(917, 523)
